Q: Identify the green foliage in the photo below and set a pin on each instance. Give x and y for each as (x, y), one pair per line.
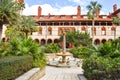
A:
(110, 49)
(77, 38)
(22, 47)
(99, 68)
(27, 25)
(52, 48)
(80, 52)
(12, 67)
(116, 20)
(104, 63)
(9, 12)
(10, 35)
(92, 8)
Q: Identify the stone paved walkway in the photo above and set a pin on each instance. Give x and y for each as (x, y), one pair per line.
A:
(55, 73)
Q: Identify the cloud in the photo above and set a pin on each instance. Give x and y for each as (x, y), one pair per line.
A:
(79, 2)
(46, 9)
(59, 10)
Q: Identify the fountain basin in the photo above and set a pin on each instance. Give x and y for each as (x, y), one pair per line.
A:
(64, 54)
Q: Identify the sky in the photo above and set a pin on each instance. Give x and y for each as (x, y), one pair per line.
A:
(66, 7)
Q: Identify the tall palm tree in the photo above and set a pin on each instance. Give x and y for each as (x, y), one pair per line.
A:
(115, 21)
(8, 12)
(27, 25)
(93, 7)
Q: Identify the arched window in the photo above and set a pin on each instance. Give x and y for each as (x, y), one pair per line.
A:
(103, 40)
(43, 41)
(37, 40)
(113, 31)
(40, 30)
(49, 31)
(103, 30)
(83, 29)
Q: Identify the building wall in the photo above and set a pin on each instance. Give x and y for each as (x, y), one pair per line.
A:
(109, 35)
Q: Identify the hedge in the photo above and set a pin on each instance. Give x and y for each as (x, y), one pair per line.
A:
(12, 67)
(100, 68)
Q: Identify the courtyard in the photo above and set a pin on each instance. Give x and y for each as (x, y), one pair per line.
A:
(55, 73)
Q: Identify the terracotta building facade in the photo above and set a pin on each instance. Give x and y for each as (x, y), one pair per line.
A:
(51, 26)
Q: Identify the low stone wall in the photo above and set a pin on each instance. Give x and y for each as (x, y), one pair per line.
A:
(33, 74)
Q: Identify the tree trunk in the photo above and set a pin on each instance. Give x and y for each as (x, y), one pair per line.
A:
(93, 29)
(26, 35)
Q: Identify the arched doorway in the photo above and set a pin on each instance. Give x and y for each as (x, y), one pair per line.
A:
(97, 42)
(37, 40)
(110, 40)
(103, 40)
(49, 41)
(3, 39)
(67, 45)
(42, 41)
(56, 40)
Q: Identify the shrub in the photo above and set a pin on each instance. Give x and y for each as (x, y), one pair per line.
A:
(23, 47)
(52, 48)
(80, 52)
(12, 67)
(99, 68)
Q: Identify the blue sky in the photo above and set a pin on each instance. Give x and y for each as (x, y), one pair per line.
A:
(66, 6)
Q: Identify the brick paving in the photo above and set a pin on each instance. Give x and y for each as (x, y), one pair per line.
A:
(55, 73)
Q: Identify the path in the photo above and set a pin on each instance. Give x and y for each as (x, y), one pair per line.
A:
(55, 73)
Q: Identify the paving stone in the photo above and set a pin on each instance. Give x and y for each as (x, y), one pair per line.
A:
(55, 73)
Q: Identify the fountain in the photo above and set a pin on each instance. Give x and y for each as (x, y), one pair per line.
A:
(64, 62)
(64, 54)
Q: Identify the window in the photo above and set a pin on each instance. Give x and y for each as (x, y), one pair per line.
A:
(40, 30)
(94, 31)
(49, 31)
(113, 31)
(103, 31)
(83, 29)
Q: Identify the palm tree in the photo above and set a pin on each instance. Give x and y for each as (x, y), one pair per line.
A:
(27, 25)
(115, 21)
(92, 9)
(8, 12)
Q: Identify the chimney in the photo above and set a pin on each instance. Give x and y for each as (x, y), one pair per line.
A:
(78, 11)
(39, 11)
(21, 1)
(114, 7)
